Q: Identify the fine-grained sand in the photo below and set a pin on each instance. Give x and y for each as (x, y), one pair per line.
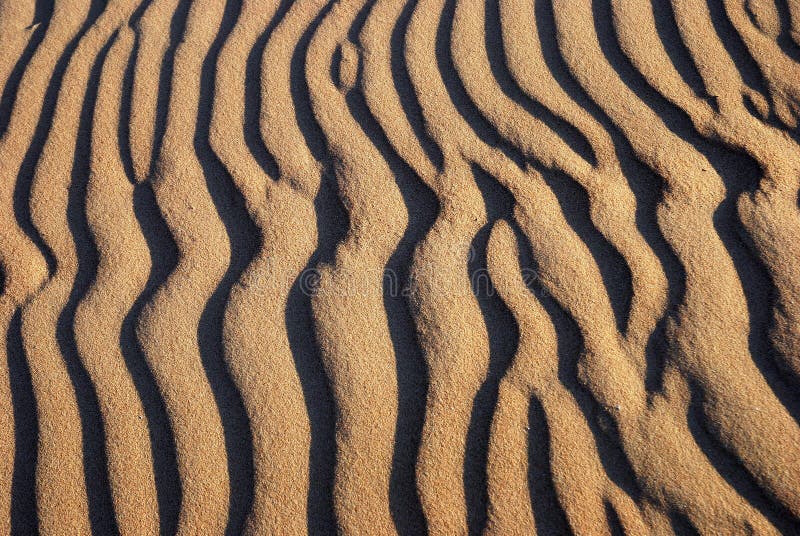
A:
(400, 267)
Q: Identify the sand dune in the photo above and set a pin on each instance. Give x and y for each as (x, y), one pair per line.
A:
(378, 267)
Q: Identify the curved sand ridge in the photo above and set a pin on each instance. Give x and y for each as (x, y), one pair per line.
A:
(377, 267)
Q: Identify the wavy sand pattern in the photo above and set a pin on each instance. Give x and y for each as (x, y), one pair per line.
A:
(400, 267)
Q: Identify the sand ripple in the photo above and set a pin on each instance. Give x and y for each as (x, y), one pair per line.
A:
(386, 266)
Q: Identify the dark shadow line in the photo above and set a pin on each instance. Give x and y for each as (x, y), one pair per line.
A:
(304, 113)
(681, 525)
(24, 184)
(747, 66)
(738, 171)
(570, 345)
(336, 69)
(95, 458)
(163, 260)
(177, 28)
(757, 284)
(24, 478)
(548, 513)
(614, 523)
(681, 57)
(253, 98)
(731, 469)
(458, 94)
(332, 225)
(43, 13)
(645, 185)
(496, 52)
(503, 334)
(736, 47)
(411, 369)
(24, 513)
(319, 401)
(673, 117)
(125, 111)
(614, 271)
(405, 90)
(245, 241)
(785, 41)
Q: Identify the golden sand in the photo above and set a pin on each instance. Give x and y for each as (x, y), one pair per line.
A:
(400, 267)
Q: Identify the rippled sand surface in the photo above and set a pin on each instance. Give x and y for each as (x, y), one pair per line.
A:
(400, 267)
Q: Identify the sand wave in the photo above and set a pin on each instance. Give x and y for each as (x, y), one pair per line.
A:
(374, 266)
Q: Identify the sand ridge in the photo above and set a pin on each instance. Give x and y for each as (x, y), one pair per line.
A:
(389, 267)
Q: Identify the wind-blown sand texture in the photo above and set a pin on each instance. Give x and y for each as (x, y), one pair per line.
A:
(400, 267)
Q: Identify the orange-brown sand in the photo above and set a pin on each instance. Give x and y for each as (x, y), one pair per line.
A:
(399, 267)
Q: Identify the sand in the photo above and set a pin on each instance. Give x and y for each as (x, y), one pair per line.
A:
(387, 267)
